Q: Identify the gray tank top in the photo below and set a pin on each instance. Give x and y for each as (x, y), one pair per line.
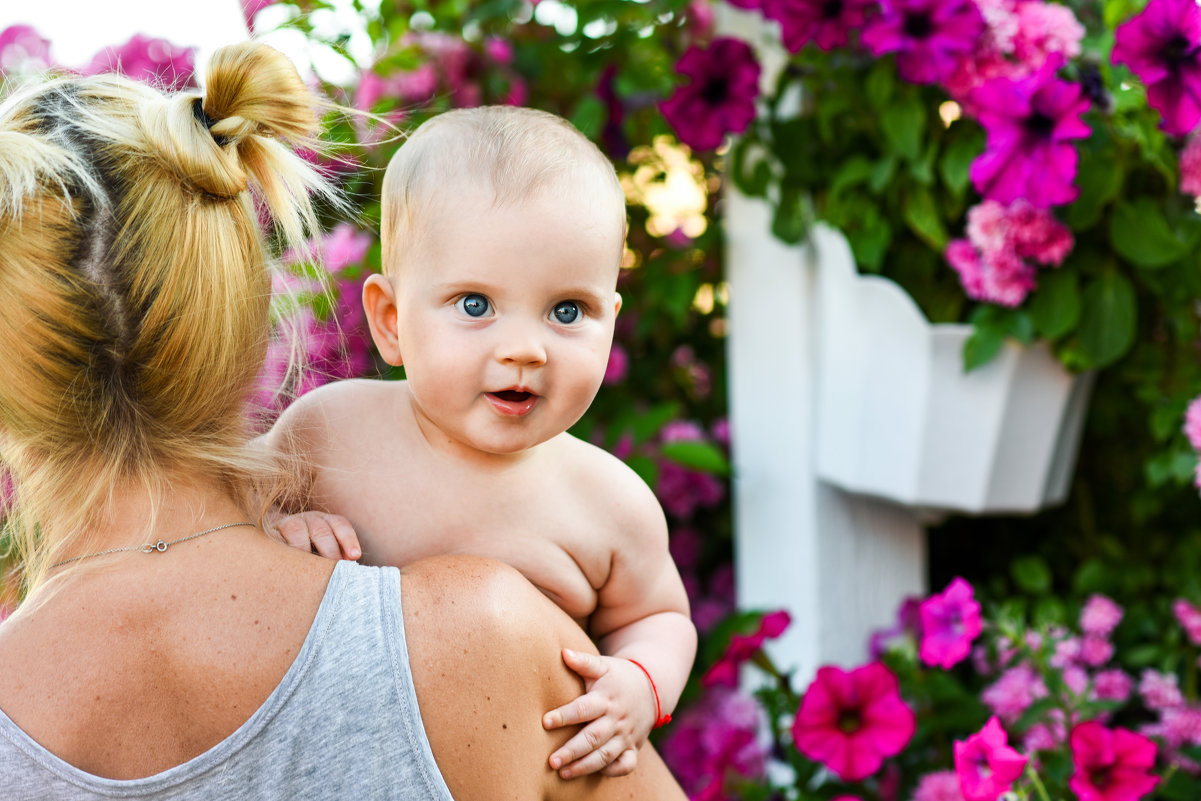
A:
(342, 724)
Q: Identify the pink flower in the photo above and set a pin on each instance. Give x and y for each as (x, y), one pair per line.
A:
(997, 262)
(1095, 651)
(928, 36)
(950, 621)
(1100, 616)
(1030, 123)
(1045, 30)
(907, 627)
(23, 48)
(1162, 46)
(1192, 423)
(744, 646)
(685, 547)
(1159, 691)
(1188, 615)
(942, 785)
(1048, 735)
(1180, 726)
(252, 7)
(720, 98)
(851, 721)
(1075, 679)
(152, 61)
(1111, 764)
(985, 763)
(683, 491)
(1014, 692)
(1190, 170)
(1113, 685)
(826, 23)
(498, 49)
(617, 366)
(715, 736)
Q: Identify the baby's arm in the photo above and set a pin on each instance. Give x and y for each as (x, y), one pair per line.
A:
(298, 431)
(645, 634)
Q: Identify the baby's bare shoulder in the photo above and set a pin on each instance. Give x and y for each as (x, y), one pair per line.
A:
(336, 412)
(611, 490)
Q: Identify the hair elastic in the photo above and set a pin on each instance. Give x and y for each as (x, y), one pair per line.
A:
(660, 718)
(208, 122)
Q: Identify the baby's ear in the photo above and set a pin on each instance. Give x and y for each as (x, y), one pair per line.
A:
(379, 301)
(616, 302)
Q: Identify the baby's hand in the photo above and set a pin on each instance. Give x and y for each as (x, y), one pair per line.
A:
(327, 534)
(621, 707)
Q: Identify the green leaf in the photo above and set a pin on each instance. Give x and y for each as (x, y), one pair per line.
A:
(904, 125)
(1180, 787)
(923, 218)
(880, 84)
(1099, 183)
(646, 469)
(1031, 574)
(1055, 307)
(982, 347)
(788, 221)
(695, 455)
(1107, 321)
(589, 116)
(648, 424)
(956, 162)
(1140, 233)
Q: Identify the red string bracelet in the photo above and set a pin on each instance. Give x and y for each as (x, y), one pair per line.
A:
(660, 718)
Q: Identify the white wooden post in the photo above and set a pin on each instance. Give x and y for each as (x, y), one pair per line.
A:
(840, 563)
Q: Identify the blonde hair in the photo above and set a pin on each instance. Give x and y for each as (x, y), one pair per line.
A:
(135, 284)
(511, 151)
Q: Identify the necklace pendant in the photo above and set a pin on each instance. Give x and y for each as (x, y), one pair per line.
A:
(159, 546)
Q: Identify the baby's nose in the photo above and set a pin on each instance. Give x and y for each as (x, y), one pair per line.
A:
(521, 344)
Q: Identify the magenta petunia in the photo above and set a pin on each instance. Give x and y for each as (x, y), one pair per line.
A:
(950, 621)
(851, 721)
(929, 37)
(716, 736)
(1030, 123)
(23, 48)
(153, 61)
(826, 23)
(1111, 764)
(720, 96)
(985, 764)
(744, 646)
(1162, 46)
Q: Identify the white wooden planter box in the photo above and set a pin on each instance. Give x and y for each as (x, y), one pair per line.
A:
(898, 418)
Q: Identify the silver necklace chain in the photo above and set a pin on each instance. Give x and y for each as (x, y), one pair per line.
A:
(157, 547)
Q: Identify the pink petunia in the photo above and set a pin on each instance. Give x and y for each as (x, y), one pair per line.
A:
(1045, 30)
(1190, 169)
(1111, 764)
(153, 61)
(941, 785)
(986, 765)
(744, 646)
(1189, 618)
(1100, 616)
(950, 621)
(851, 721)
(1013, 693)
(23, 49)
(720, 96)
(1162, 46)
(929, 37)
(1030, 124)
(716, 736)
(825, 23)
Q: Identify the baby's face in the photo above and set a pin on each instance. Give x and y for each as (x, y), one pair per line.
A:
(505, 317)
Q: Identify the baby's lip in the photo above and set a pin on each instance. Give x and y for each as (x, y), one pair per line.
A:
(514, 394)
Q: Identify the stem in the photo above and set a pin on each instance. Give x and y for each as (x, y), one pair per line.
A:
(1037, 782)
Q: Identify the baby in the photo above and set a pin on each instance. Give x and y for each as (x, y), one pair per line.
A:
(503, 230)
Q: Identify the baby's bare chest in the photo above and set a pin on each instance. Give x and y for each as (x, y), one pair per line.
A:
(544, 526)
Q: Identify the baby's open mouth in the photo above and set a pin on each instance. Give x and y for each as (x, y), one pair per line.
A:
(512, 395)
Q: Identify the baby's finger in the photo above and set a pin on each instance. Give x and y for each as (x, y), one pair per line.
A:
(583, 709)
(590, 666)
(348, 540)
(295, 532)
(623, 765)
(322, 537)
(593, 762)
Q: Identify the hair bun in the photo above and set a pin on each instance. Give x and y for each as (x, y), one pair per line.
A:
(252, 88)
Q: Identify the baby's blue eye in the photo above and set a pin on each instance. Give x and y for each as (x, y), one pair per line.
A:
(566, 312)
(473, 305)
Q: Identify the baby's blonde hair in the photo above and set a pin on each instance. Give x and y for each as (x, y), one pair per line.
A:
(512, 152)
(135, 284)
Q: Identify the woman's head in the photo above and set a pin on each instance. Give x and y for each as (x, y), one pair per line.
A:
(134, 280)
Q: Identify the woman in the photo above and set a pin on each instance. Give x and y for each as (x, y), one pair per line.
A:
(214, 662)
